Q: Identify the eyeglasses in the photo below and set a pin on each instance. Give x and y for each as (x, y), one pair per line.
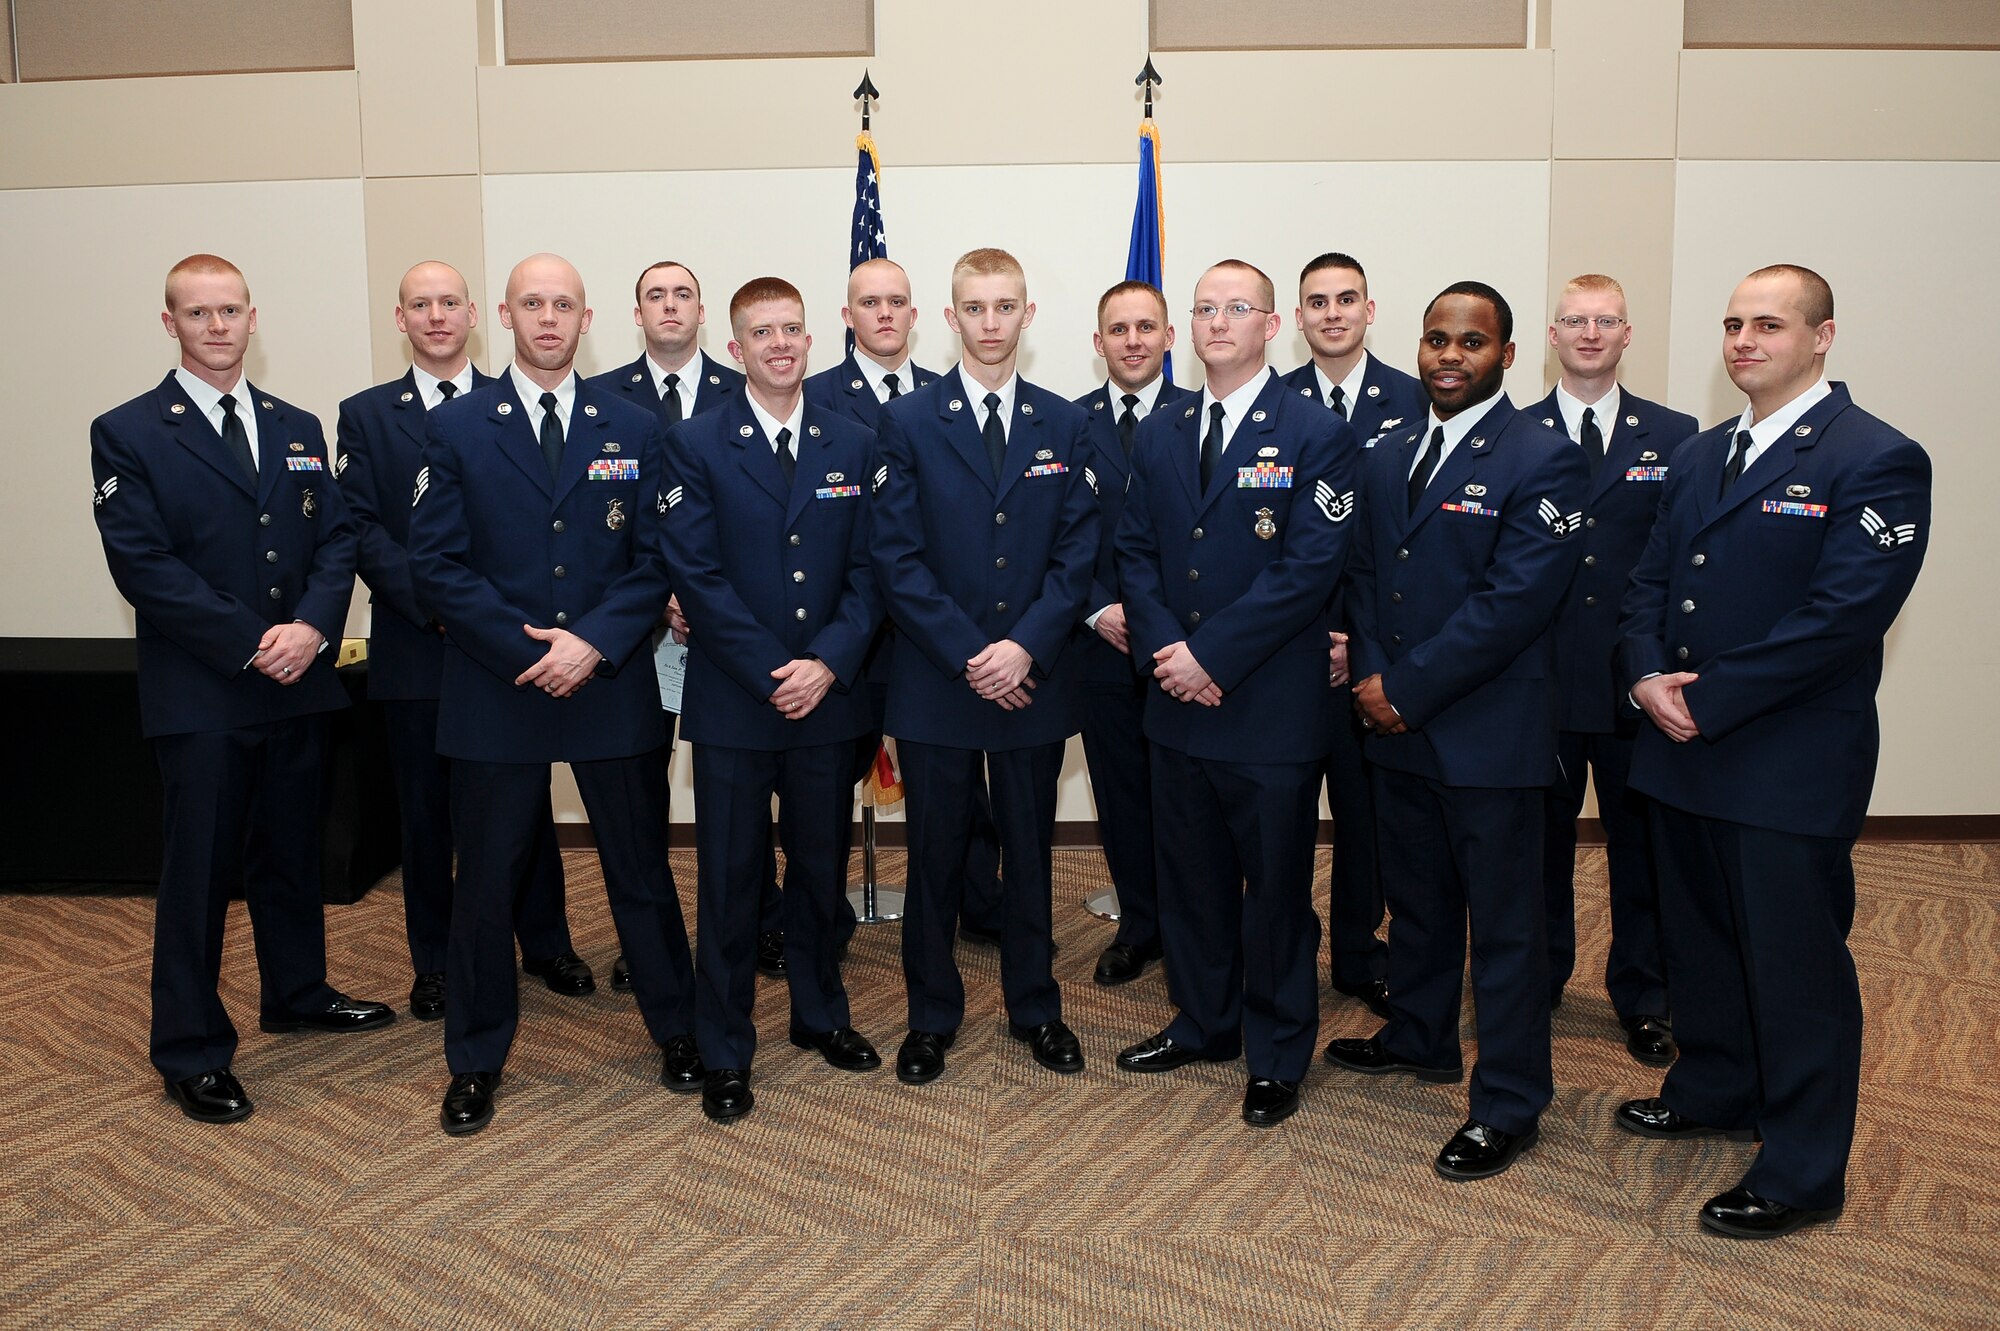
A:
(1235, 309)
(1606, 323)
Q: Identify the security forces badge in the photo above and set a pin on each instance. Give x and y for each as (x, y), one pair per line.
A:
(614, 515)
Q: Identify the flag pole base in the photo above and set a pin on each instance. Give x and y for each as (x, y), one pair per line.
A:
(874, 902)
(1104, 905)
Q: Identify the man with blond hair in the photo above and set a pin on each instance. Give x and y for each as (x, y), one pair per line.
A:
(1788, 540)
(1628, 444)
(985, 536)
(534, 540)
(381, 433)
(222, 527)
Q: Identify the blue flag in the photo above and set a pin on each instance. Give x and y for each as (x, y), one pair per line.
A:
(1146, 260)
(868, 241)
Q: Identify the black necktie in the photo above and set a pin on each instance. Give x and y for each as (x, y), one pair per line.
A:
(786, 463)
(1337, 399)
(1736, 460)
(671, 399)
(1426, 464)
(895, 389)
(995, 435)
(1128, 422)
(1592, 440)
(236, 439)
(1211, 445)
(447, 390)
(552, 435)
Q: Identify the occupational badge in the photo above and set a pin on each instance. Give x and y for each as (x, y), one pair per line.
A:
(835, 477)
(298, 447)
(1475, 489)
(611, 446)
(614, 515)
(1268, 451)
(1044, 454)
(1797, 491)
(1265, 528)
(307, 504)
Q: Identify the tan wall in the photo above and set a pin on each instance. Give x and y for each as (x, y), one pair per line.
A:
(1604, 147)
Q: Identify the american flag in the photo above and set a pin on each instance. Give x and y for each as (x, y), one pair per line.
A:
(869, 240)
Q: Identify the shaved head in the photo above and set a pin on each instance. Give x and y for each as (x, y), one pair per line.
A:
(431, 274)
(545, 270)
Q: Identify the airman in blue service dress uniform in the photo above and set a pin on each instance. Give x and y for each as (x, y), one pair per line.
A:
(1334, 313)
(985, 535)
(381, 433)
(767, 541)
(534, 537)
(1627, 443)
(1133, 335)
(878, 371)
(1786, 544)
(221, 525)
(1229, 549)
(676, 380)
(1467, 545)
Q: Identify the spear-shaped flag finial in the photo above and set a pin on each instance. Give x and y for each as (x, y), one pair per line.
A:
(1149, 79)
(866, 94)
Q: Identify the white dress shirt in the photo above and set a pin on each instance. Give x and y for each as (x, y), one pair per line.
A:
(208, 401)
(427, 384)
(975, 397)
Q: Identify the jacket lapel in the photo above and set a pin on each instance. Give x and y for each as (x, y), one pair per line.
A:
(754, 452)
(961, 430)
(196, 435)
(1024, 441)
(582, 443)
(409, 416)
(1457, 468)
(513, 429)
(273, 443)
(1628, 441)
(814, 463)
(1775, 462)
(1262, 419)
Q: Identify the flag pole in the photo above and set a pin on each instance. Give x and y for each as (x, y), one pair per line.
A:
(876, 902)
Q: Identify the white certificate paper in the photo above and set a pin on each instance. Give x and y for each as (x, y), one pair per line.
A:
(670, 664)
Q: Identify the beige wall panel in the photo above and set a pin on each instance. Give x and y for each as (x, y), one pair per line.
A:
(1840, 105)
(136, 131)
(6, 43)
(1857, 23)
(561, 30)
(1271, 25)
(96, 260)
(1615, 218)
(1617, 77)
(411, 219)
(1902, 243)
(94, 39)
(417, 67)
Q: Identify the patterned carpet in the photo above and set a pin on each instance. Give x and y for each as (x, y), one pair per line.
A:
(1000, 1197)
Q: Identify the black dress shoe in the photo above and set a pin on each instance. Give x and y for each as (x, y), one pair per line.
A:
(1374, 995)
(468, 1104)
(725, 1094)
(427, 996)
(1742, 1214)
(565, 973)
(1124, 962)
(844, 1047)
(621, 975)
(680, 1065)
(1267, 1101)
(1651, 1118)
(1651, 1041)
(1368, 1056)
(1053, 1044)
(1481, 1151)
(771, 953)
(212, 1097)
(921, 1059)
(1160, 1053)
(342, 1014)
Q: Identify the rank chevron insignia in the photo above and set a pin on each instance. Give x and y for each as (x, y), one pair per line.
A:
(1553, 516)
(672, 498)
(1336, 507)
(1090, 478)
(881, 477)
(1887, 536)
(423, 484)
(104, 492)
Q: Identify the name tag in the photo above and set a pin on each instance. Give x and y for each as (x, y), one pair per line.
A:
(613, 469)
(1785, 508)
(837, 492)
(1264, 476)
(304, 464)
(1047, 469)
(1645, 473)
(1477, 510)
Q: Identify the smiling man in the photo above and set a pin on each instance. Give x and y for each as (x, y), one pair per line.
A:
(1627, 443)
(1133, 335)
(1334, 314)
(1787, 542)
(767, 540)
(534, 540)
(1467, 545)
(1229, 549)
(381, 433)
(221, 526)
(985, 537)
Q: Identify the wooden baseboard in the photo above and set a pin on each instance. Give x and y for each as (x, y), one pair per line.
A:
(1943, 829)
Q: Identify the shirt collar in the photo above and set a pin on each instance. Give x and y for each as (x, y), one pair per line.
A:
(1765, 432)
(207, 398)
(427, 384)
(873, 370)
(1350, 388)
(771, 424)
(531, 392)
(1237, 405)
(690, 376)
(1571, 409)
(1148, 395)
(975, 396)
(1458, 426)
